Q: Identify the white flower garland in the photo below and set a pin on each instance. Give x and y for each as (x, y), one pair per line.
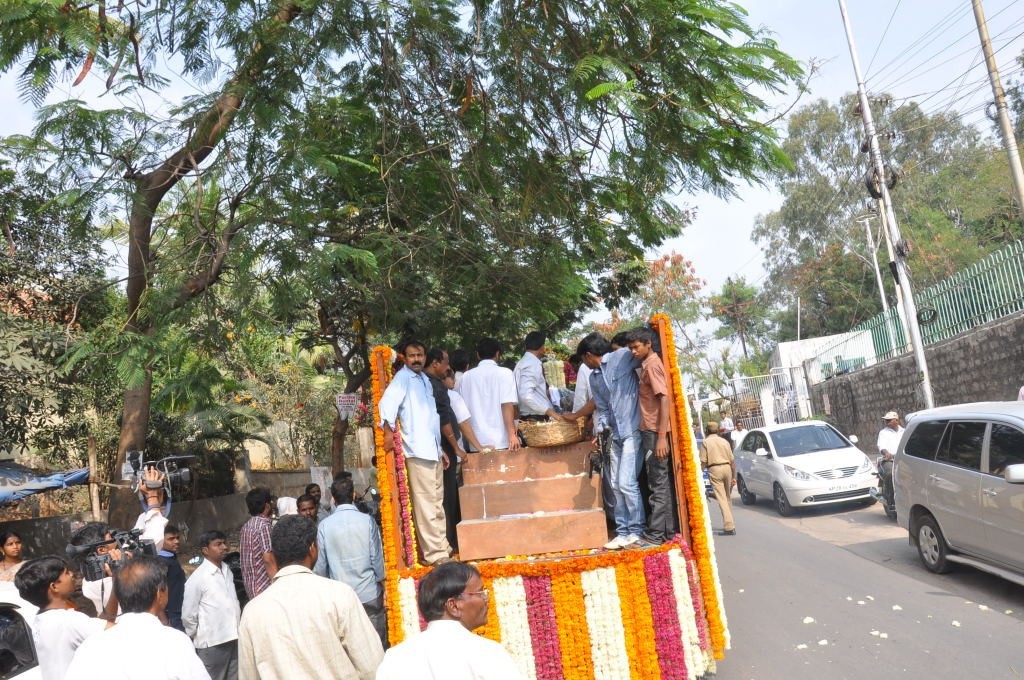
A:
(407, 608)
(510, 603)
(604, 618)
(696, 657)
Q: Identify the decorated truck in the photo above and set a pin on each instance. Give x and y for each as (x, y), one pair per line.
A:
(533, 523)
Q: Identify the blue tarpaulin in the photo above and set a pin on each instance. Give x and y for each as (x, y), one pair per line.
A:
(18, 481)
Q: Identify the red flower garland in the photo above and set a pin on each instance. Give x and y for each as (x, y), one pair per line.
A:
(540, 611)
(668, 634)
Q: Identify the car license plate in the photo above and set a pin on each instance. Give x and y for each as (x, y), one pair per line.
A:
(842, 487)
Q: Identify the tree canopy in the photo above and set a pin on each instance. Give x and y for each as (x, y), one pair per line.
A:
(442, 168)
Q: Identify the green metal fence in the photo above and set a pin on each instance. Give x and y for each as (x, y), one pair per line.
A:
(985, 291)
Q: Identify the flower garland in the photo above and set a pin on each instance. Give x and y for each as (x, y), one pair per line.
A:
(404, 501)
(700, 522)
(573, 633)
(668, 634)
(540, 611)
(510, 606)
(380, 372)
(692, 620)
(604, 618)
(409, 615)
(637, 621)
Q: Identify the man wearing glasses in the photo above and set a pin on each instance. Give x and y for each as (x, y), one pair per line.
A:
(454, 602)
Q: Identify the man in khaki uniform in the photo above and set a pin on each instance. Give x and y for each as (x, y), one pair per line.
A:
(716, 456)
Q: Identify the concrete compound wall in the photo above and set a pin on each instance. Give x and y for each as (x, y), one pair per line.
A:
(984, 364)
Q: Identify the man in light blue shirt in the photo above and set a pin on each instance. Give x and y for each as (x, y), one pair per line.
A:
(351, 552)
(409, 399)
(616, 388)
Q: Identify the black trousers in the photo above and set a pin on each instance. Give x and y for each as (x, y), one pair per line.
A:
(452, 509)
(662, 520)
(607, 495)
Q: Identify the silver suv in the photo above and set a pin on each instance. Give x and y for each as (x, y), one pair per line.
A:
(959, 479)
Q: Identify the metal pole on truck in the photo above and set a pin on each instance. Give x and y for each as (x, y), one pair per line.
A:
(900, 272)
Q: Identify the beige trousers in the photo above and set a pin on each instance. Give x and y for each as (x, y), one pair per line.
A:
(426, 485)
(721, 484)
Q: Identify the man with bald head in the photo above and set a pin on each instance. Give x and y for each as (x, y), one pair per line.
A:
(139, 646)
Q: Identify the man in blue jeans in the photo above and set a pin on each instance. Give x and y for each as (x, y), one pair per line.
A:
(615, 387)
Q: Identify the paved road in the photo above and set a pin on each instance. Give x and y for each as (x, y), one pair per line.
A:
(840, 593)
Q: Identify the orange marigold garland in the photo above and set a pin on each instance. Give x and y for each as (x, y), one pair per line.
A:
(637, 621)
(573, 634)
(700, 529)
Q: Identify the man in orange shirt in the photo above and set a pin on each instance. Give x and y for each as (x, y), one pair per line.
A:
(662, 523)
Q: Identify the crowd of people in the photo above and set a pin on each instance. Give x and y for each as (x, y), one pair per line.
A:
(448, 412)
(312, 569)
(311, 604)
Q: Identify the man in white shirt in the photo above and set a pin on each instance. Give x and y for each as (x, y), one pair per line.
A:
(211, 611)
(304, 625)
(889, 436)
(409, 399)
(57, 631)
(490, 393)
(453, 601)
(139, 647)
(152, 520)
(531, 388)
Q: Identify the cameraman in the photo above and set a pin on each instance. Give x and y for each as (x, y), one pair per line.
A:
(100, 591)
(152, 520)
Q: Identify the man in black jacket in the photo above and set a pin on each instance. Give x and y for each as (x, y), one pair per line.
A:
(175, 576)
(436, 368)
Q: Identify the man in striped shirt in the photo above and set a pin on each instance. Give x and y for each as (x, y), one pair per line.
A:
(254, 542)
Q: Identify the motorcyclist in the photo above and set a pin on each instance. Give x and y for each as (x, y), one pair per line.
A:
(888, 441)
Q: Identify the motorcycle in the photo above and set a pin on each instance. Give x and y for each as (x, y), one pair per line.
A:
(885, 493)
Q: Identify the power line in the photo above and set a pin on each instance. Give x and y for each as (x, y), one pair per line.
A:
(884, 33)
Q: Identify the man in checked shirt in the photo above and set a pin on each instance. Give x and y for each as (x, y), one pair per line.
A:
(254, 542)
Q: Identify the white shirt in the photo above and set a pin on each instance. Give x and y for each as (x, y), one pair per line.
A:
(447, 651)
(139, 647)
(210, 611)
(410, 398)
(485, 388)
(459, 407)
(57, 633)
(286, 505)
(582, 394)
(531, 386)
(98, 592)
(726, 425)
(737, 436)
(152, 523)
(889, 439)
(1020, 395)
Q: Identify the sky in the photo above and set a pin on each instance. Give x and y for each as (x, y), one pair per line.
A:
(927, 50)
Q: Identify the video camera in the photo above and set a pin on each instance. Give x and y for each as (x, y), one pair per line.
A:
(175, 471)
(127, 541)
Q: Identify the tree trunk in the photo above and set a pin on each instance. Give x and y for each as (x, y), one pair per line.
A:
(338, 432)
(150, 189)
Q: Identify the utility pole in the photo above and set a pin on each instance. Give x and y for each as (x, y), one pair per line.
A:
(900, 271)
(866, 221)
(1005, 126)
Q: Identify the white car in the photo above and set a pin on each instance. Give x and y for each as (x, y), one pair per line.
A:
(802, 464)
(959, 482)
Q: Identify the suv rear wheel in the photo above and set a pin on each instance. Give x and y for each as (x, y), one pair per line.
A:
(931, 546)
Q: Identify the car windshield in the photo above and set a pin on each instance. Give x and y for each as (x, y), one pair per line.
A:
(806, 439)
